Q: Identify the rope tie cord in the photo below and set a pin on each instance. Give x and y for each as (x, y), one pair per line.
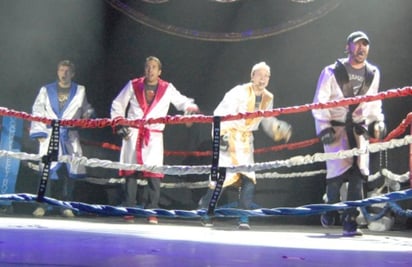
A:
(52, 155)
(217, 174)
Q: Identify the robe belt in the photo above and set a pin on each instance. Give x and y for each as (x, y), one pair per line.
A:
(352, 127)
(143, 139)
(64, 138)
(64, 133)
(144, 135)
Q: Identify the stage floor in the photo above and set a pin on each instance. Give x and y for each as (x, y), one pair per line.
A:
(108, 241)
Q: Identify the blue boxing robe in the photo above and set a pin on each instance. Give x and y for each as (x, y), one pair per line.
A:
(46, 105)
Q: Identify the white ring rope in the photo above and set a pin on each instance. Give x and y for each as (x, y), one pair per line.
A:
(205, 169)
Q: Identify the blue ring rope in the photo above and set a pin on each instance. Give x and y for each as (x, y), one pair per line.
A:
(311, 209)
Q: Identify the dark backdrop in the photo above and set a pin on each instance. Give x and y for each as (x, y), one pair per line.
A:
(109, 48)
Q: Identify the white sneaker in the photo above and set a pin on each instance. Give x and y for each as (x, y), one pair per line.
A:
(39, 212)
(383, 224)
(67, 213)
(243, 226)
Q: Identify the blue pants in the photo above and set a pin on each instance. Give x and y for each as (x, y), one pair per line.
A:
(246, 195)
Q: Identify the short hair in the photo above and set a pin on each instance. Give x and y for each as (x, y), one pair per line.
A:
(153, 58)
(260, 65)
(66, 63)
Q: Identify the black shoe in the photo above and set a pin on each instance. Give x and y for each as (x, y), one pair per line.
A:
(356, 232)
(350, 227)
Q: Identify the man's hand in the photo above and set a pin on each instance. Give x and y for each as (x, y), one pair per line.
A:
(193, 109)
(224, 143)
(377, 129)
(277, 129)
(327, 136)
(123, 132)
(282, 131)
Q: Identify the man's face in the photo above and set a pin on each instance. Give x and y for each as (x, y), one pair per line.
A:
(65, 75)
(152, 72)
(358, 51)
(260, 78)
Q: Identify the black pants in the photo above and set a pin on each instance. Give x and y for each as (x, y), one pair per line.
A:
(355, 181)
(151, 198)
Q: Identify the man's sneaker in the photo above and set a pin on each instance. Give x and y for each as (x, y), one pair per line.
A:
(6, 209)
(383, 224)
(207, 221)
(243, 226)
(152, 220)
(243, 223)
(356, 232)
(68, 213)
(327, 220)
(128, 219)
(350, 227)
(39, 212)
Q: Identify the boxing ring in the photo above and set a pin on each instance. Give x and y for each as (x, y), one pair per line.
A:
(96, 237)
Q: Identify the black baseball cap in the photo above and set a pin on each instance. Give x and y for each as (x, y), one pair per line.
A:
(356, 36)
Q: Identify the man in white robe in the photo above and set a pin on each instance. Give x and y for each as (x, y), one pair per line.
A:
(236, 141)
(346, 127)
(61, 100)
(144, 98)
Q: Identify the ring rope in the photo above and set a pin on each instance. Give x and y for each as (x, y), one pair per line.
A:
(182, 170)
(398, 210)
(180, 119)
(399, 130)
(311, 209)
(205, 169)
(397, 178)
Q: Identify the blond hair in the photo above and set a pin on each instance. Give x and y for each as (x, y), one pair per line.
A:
(260, 65)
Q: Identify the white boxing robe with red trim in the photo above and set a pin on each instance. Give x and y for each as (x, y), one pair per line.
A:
(239, 133)
(145, 146)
